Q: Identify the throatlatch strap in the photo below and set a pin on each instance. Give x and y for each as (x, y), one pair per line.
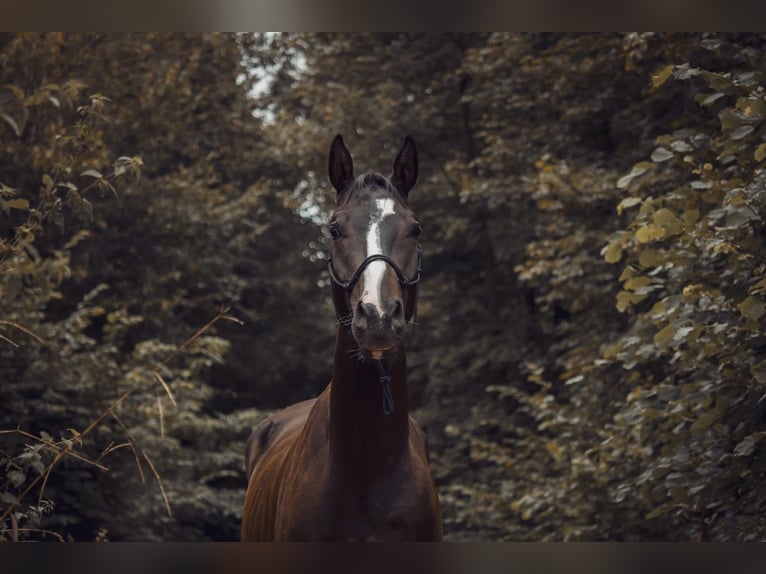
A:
(385, 379)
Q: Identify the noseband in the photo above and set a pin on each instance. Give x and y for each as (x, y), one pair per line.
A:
(347, 286)
(409, 285)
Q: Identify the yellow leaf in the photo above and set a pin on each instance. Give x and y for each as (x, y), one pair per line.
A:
(625, 299)
(667, 220)
(760, 152)
(692, 290)
(664, 336)
(690, 217)
(637, 283)
(613, 252)
(704, 422)
(662, 76)
(658, 309)
(758, 287)
(611, 351)
(627, 202)
(650, 258)
(11, 122)
(17, 204)
(554, 449)
(752, 308)
(649, 233)
(637, 170)
(659, 511)
(627, 273)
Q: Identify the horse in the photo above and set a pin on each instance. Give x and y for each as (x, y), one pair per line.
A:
(351, 464)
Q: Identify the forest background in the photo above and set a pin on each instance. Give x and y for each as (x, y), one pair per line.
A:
(590, 362)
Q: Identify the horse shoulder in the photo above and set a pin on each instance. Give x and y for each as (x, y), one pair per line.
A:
(419, 440)
(267, 456)
(273, 428)
(421, 508)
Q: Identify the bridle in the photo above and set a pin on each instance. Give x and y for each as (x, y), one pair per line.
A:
(347, 286)
(410, 294)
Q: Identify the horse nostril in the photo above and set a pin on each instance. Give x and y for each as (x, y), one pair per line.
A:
(364, 312)
(395, 310)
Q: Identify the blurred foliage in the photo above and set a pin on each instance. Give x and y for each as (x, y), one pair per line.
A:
(590, 361)
(112, 271)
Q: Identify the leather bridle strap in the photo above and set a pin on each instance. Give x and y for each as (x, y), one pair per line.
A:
(347, 286)
(385, 380)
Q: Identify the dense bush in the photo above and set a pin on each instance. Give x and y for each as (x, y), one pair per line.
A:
(106, 273)
(589, 362)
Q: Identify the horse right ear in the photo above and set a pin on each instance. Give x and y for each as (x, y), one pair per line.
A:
(341, 168)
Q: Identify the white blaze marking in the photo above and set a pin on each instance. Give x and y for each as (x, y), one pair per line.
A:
(373, 273)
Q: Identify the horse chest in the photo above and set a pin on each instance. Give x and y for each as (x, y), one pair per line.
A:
(393, 507)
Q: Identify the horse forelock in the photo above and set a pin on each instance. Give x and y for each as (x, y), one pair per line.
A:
(371, 185)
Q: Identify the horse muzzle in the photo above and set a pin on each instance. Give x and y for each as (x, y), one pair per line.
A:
(379, 328)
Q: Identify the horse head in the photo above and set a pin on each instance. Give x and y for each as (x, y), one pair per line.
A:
(375, 257)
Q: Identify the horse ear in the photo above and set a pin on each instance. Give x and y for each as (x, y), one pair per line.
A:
(341, 168)
(406, 166)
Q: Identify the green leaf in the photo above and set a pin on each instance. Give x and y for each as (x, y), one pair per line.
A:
(717, 81)
(682, 333)
(752, 108)
(627, 202)
(659, 511)
(759, 372)
(707, 99)
(746, 446)
(637, 170)
(741, 132)
(17, 91)
(729, 120)
(661, 154)
(16, 477)
(11, 122)
(759, 287)
(680, 146)
(704, 422)
(8, 498)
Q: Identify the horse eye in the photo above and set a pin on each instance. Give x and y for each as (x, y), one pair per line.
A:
(335, 232)
(416, 231)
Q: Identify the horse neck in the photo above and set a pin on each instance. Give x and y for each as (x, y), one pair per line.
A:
(361, 434)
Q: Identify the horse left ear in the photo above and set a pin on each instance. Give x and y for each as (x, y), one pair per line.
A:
(341, 167)
(406, 167)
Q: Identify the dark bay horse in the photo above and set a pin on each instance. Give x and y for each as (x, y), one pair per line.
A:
(352, 465)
